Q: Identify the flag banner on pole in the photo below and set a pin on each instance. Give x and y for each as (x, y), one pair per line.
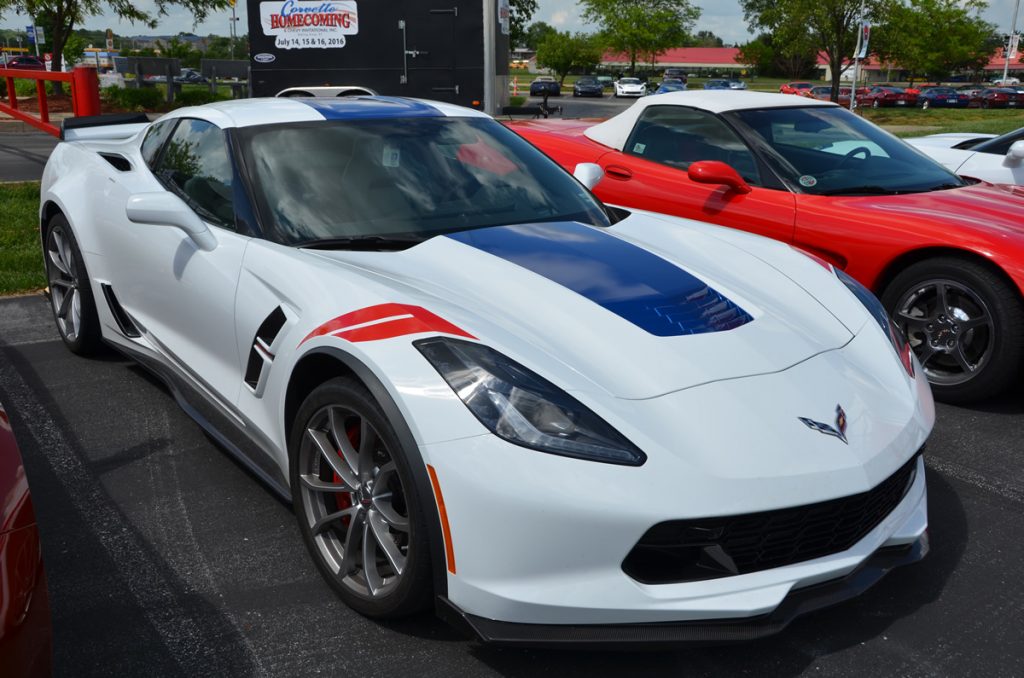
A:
(865, 34)
(1014, 40)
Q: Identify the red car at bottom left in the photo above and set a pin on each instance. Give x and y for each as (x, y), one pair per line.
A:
(25, 636)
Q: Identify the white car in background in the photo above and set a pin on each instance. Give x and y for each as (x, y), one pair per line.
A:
(630, 87)
(998, 160)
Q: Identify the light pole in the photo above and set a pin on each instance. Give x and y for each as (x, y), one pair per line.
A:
(1006, 50)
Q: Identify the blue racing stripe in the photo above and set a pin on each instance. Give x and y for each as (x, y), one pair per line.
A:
(370, 108)
(631, 282)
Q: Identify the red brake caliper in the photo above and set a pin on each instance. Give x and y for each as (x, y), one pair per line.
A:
(344, 499)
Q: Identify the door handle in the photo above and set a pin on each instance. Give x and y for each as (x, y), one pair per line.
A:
(617, 172)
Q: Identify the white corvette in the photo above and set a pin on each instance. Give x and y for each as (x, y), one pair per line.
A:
(630, 87)
(999, 160)
(560, 422)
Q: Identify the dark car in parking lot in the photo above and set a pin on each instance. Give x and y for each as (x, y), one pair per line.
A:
(588, 86)
(190, 76)
(880, 96)
(997, 97)
(670, 85)
(945, 97)
(545, 84)
(717, 84)
(24, 63)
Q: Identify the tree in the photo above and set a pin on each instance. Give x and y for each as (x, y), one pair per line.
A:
(520, 13)
(74, 49)
(59, 17)
(790, 60)
(179, 49)
(641, 28)
(831, 26)
(933, 38)
(706, 39)
(536, 33)
(563, 53)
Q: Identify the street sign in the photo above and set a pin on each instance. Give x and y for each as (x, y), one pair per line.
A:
(31, 30)
(110, 39)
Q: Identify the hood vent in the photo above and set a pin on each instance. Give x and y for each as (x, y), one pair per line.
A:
(261, 355)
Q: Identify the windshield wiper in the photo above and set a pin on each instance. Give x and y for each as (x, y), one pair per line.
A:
(944, 187)
(863, 190)
(362, 242)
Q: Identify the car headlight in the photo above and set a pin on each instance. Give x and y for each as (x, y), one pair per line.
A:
(520, 406)
(877, 311)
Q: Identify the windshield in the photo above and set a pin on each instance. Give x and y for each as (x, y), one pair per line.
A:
(629, 81)
(940, 90)
(404, 178)
(829, 151)
(587, 81)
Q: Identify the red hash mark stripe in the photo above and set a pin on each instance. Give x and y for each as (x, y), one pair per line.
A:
(385, 321)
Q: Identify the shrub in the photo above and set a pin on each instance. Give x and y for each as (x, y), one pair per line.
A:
(197, 97)
(143, 99)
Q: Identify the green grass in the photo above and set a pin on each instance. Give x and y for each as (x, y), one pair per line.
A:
(945, 120)
(21, 261)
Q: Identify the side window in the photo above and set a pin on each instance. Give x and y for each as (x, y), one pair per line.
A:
(154, 140)
(196, 164)
(678, 136)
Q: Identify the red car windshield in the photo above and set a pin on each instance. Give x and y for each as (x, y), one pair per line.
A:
(830, 151)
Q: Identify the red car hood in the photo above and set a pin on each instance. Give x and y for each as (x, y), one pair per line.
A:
(983, 206)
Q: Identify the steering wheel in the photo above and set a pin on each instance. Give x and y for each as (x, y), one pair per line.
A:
(846, 158)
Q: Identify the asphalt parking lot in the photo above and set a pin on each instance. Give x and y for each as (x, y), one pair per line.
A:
(164, 557)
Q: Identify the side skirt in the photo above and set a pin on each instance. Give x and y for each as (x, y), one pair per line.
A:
(219, 425)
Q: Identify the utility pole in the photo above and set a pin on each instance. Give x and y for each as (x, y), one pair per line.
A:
(233, 32)
(856, 58)
(1006, 49)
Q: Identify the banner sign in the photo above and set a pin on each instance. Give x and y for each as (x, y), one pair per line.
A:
(309, 24)
(862, 41)
(1014, 40)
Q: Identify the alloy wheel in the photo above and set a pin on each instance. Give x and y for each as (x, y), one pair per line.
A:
(63, 279)
(949, 327)
(354, 502)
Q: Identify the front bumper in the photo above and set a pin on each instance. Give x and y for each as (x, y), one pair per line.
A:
(703, 632)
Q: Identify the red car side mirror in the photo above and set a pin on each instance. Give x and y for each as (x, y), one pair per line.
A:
(715, 172)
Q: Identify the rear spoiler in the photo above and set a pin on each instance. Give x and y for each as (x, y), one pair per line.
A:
(111, 126)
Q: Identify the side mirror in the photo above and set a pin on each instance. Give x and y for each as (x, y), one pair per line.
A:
(588, 174)
(1014, 156)
(167, 209)
(715, 172)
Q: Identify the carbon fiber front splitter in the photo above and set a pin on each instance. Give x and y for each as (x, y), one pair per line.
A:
(688, 633)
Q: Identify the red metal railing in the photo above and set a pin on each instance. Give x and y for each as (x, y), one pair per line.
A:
(85, 95)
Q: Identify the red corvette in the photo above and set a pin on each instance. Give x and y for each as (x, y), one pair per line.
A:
(801, 88)
(998, 97)
(945, 254)
(24, 604)
(877, 97)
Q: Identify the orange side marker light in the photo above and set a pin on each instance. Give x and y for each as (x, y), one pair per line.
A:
(449, 550)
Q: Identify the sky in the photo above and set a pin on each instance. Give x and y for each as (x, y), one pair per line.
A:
(722, 17)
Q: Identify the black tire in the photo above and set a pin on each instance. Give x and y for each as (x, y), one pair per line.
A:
(85, 338)
(924, 104)
(413, 590)
(875, 104)
(998, 346)
(985, 103)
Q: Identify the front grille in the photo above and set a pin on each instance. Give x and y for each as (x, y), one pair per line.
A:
(708, 548)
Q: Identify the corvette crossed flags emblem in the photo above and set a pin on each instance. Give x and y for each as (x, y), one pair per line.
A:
(838, 431)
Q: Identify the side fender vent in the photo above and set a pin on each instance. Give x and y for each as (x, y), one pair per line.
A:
(261, 355)
(121, 317)
(118, 162)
